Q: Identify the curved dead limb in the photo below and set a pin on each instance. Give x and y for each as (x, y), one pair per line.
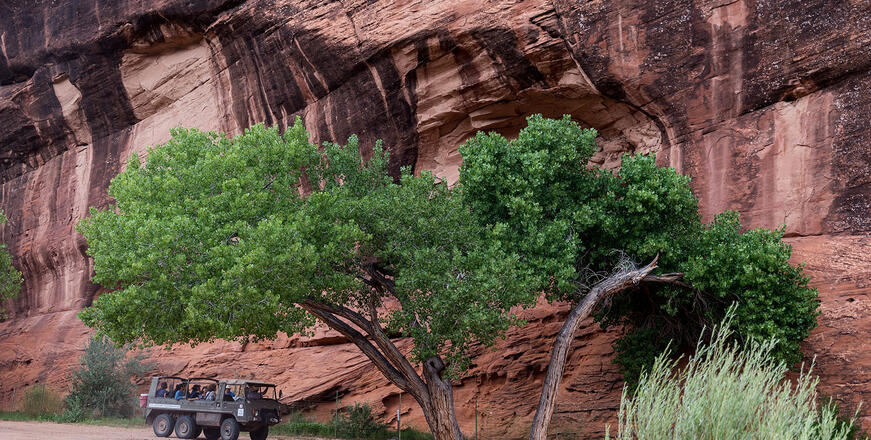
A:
(615, 283)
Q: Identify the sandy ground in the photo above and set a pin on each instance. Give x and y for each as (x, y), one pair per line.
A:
(51, 431)
(46, 431)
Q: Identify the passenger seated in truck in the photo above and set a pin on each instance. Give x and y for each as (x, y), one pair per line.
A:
(253, 394)
(179, 392)
(228, 395)
(195, 393)
(162, 391)
(210, 392)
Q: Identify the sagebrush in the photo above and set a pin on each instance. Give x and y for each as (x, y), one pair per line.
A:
(727, 391)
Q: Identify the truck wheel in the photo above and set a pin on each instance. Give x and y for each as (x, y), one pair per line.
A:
(260, 434)
(162, 425)
(229, 429)
(185, 427)
(212, 433)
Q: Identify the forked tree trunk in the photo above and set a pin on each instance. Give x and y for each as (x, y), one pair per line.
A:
(442, 418)
(563, 342)
(433, 393)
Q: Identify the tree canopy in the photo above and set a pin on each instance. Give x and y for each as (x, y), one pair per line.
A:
(572, 222)
(241, 238)
(224, 238)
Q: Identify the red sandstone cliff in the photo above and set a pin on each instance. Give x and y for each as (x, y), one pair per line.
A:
(765, 104)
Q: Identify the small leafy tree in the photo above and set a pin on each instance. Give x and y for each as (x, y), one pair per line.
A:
(101, 386)
(10, 278)
(726, 391)
(242, 238)
(581, 228)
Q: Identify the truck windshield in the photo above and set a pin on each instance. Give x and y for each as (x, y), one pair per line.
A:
(260, 392)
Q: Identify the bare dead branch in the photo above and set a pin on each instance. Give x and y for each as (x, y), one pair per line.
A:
(624, 276)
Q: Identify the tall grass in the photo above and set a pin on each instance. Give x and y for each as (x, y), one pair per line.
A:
(727, 391)
(40, 401)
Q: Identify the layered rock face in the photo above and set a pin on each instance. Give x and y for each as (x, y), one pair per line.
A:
(764, 104)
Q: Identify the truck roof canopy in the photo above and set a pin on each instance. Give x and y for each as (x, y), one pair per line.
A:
(227, 381)
(246, 382)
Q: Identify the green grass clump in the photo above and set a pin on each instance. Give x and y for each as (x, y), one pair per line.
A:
(18, 416)
(356, 422)
(727, 391)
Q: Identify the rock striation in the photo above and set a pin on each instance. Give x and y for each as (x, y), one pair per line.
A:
(764, 104)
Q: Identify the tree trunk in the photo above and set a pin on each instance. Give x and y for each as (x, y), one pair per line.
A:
(434, 394)
(611, 285)
(441, 417)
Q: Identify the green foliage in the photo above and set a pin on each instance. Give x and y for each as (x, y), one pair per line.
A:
(637, 350)
(774, 299)
(571, 222)
(10, 277)
(224, 238)
(41, 402)
(101, 386)
(726, 391)
(357, 422)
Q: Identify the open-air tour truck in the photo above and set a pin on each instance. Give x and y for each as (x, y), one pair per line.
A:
(218, 408)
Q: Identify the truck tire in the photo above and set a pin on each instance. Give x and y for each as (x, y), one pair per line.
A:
(260, 434)
(185, 427)
(212, 433)
(163, 425)
(229, 429)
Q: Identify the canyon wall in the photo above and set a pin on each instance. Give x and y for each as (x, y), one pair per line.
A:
(764, 103)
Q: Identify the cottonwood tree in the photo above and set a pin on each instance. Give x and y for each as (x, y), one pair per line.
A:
(10, 277)
(580, 229)
(242, 238)
(245, 237)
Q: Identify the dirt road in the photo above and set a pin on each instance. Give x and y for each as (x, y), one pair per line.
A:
(52, 431)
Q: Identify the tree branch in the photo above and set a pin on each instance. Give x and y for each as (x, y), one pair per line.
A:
(392, 352)
(667, 278)
(360, 341)
(374, 330)
(389, 350)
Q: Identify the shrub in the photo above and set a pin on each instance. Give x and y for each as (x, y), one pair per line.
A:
(101, 386)
(359, 420)
(41, 402)
(10, 278)
(727, 391)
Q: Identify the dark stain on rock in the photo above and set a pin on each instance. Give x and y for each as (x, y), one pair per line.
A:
(501, 46)
(851, 159)
(469, 74)
(347, 95)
